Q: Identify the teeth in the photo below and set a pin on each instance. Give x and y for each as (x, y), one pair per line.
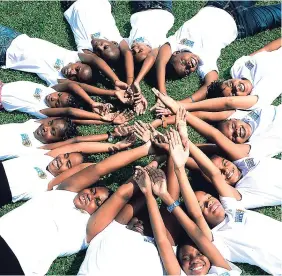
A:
(197, 268)
(230, 174)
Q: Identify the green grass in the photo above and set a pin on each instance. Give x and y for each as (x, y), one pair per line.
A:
(45, 20)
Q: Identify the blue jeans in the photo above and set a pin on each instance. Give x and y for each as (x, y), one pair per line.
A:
(139, 6)
(7, 35)
(251, 19)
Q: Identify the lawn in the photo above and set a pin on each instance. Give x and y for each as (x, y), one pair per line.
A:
(45, 20)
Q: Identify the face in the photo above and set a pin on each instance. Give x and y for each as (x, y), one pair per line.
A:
(236, 87)
(192, 261)
(91, 199)
(57, 99)
(104, 48)
(228, 169)
(211, 208)
(77, 72)
(140, 51)
(236, 130)
(136, 225)
(50, 131)
(185, 63)
(64, 162)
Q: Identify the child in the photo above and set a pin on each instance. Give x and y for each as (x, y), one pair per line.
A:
(49, 61)
(24, 138)
(42, 102)
(197, 44)
(95, 31)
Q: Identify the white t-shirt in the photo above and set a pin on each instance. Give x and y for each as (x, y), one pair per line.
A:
(205, 34)
(28, 176)
(25, 96)
(249, 237)
(39, 56)
(92, 19)
(18, 139)
(263, 70)
(150, 27)
(266, 123)
(44, 228)
(120, 251)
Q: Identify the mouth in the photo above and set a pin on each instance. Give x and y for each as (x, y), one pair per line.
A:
(214, 207)
(242, 132)
(84, 199)
(40, 132)
(197, 267)
(56, 163)
(230, 174)
(193, 62)
(138, 228)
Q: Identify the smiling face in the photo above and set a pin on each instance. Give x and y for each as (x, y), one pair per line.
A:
(136, 225)
(237, 131)
(184, 63)
(77, 72)
(64, 162)
(211, 208)
(91, 199)
(105, 49)
(51, 131)
(192, 261)
(236, 87)
(230, 171)
(57, 99)
(140, 51)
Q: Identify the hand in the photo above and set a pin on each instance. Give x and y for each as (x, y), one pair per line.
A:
(125, 96)
(143, 180)
(163, 111)
(140, 102)
(125, 143)
(158, 181)
(101, 108)
(124, 117)
(142, 131)
(158, 104)
(160, 140)
(120, 85)
(166, 100)
(176, 150)
(180, 124)
(121, 131)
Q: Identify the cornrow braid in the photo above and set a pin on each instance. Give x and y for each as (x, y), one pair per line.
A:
(72, 101)
(215, 90)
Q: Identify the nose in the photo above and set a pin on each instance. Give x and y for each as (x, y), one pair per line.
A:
(140, 222)
(210, 203)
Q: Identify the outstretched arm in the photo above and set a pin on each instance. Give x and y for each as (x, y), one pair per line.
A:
(128, 60)
(272, 46)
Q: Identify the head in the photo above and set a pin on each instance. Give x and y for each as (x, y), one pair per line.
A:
(230, 171)
(64, 162)
(184, 63)
(211, 208)
(107, 50)
(229, 88)
(236, 130)
(136, 225)
(55, 130)
(140, 51)
(191, 260)
(90, 199)
(60, 99)
(78, 72)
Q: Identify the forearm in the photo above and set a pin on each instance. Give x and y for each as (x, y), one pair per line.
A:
(89, 122)
(97, 91)
(146, 67)
(129, 67)
(77, 90)
(58, 144)
(272, 46)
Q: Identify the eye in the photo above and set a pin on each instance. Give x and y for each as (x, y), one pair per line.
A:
(66, 155)
(53, 131)
(199, 254)
(98, 202)
(59, 94)
(69, 164)
(106, 47)
(186, 258)
(50, 123)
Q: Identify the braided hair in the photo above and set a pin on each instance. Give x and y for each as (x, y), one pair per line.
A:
(72, 101)
(215, 90)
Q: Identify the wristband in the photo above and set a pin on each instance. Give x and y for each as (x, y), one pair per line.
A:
(191, 99)
(110, 137)
(164, 122)
(171, 207)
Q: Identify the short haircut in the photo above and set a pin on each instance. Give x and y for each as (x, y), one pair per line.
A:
(215, 90)
(70, 128)
(72, 101)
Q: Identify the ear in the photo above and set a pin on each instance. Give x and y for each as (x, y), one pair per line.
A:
(176, 53)
(115, 43)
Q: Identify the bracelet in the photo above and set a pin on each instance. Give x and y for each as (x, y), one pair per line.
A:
(171, 207)
(110, 137)
(164, 122)
(191, 99)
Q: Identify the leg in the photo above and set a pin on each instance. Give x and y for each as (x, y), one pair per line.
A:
(253, 20)
(66, 4)
(7, 35)
(138, 6)
(5, 191)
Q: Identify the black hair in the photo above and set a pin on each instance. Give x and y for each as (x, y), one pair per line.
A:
(70, 128)
(215, 90)
(72, 101)
(111, 192)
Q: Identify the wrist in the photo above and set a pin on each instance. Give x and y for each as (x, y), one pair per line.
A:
(172, 206)
(114, 81)
(110, 136)
(166, 198)
(180, 169)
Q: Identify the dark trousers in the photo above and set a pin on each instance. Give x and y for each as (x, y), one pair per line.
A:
(5, 191)
(138, 6)
(251, 19)
(7, 35)
(9, 264)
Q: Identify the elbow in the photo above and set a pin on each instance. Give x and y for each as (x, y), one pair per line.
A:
(230, 103)
(69, 112)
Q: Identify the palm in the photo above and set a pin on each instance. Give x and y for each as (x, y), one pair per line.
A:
(142, 179)
(179, 156)
(159, 182)
(123, 130)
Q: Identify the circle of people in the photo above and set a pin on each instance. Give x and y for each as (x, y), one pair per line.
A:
(67, 212)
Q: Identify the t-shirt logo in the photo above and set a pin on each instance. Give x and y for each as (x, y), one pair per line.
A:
(249, 65)
(239, 216)
(224, 274)
(40, 173)
(187, 42)
(25, 140)
(139, 40)
(37, 94)
(149, 239)
(96, 35)
(59, 64)
(253, 115)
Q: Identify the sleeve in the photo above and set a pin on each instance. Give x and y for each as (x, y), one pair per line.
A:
(172, 41)
(206, 65)
(214, 270)
(239, 70)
